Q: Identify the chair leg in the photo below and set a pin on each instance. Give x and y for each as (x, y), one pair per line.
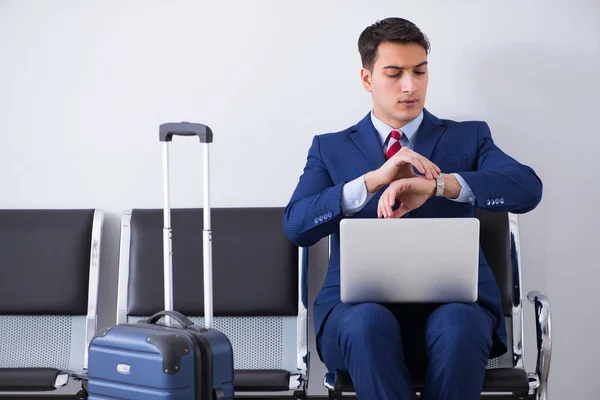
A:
(541, 392)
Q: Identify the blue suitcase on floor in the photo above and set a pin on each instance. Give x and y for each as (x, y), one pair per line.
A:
(146, 360)
(175, 359)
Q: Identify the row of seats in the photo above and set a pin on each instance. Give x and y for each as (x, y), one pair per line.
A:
(50, 266)
(49, 274)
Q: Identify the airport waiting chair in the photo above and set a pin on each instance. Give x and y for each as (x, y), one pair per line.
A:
(259, 296)
(505, 376)
(49, 266)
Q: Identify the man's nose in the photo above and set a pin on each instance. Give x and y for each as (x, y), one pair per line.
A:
(408, 84)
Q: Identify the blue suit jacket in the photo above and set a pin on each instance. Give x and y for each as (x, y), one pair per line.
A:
(498, 182)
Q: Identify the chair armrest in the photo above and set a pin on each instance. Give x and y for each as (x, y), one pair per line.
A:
(544, 334)
(32, 379)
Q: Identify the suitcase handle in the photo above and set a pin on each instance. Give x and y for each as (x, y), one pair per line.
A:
(204, 133)
(170, 129)
(177, 316)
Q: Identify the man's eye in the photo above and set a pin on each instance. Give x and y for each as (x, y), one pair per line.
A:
(394, 76)
(419, 73)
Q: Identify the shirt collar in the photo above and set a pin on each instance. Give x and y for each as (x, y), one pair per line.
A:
(409, 130)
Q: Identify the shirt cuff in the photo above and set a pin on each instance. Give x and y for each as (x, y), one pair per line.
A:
(355, 196)
(466, 194)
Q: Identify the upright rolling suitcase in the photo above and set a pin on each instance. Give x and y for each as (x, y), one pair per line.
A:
(175, 360)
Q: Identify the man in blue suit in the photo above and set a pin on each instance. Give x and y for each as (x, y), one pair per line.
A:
(368, 171)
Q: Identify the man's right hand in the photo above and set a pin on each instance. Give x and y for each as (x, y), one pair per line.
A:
(398, 167)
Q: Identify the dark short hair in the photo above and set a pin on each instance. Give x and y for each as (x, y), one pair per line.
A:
(395, 30)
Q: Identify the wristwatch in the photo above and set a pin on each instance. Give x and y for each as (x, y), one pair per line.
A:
(439, 186)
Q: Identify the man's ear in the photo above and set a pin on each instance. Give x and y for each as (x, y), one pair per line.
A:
(365, 79)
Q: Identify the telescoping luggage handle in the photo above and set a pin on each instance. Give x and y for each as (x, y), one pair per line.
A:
(205, 135)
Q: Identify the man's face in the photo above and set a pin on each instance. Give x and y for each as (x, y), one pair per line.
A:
(398, 83)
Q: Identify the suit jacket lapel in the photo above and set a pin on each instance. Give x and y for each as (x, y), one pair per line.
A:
(365, 136)
(429, 133)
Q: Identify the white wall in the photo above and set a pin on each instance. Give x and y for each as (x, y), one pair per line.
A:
(83, 88)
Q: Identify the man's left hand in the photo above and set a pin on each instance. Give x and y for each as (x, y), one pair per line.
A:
(412, 193)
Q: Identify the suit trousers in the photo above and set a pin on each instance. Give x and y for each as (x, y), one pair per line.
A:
(385, 348)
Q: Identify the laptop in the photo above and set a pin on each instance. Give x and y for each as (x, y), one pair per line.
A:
(406, 260)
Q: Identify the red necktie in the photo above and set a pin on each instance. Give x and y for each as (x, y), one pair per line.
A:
(393, 145)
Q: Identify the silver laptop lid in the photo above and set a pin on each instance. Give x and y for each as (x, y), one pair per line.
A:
(405, 260)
